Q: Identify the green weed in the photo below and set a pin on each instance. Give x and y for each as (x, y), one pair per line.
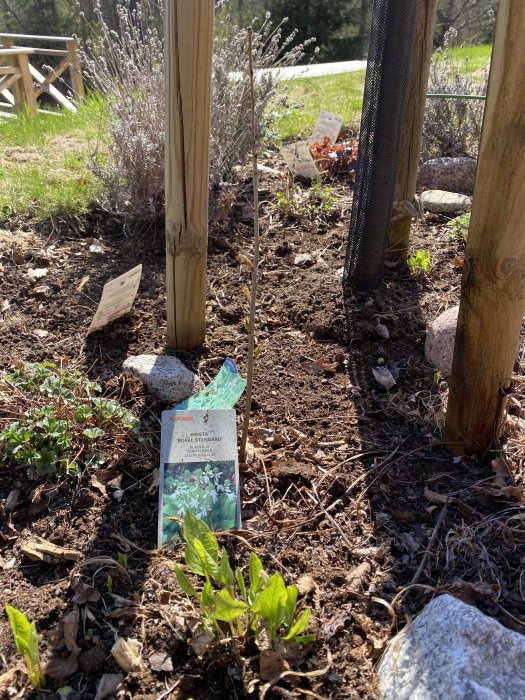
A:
(458, 227)
(26, 642)
(420, 262)
(230, 604)
(60, 420)
(315, 202)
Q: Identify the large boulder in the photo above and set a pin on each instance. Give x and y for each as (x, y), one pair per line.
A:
(451, 174)
(439, 343)
(164, 376)
(452, 651)
(442, 202)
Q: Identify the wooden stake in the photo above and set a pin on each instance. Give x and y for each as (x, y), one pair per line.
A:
(188, 46)
(405, 187)
(75, 70)
(493, 284)
(255, 261)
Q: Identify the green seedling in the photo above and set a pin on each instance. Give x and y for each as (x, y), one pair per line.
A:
(231, 605)
(26, 642)
(123, 560)
(437, 377)
(109, 584)
(420, 262)
(458, 227)
(316, 201)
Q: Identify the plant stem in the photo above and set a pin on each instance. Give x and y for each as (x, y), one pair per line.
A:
(255, 261)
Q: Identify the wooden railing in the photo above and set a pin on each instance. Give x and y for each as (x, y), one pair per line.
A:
(21, 83)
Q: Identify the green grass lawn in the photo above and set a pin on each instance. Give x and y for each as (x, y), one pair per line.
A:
(44, 163)
(43, 159)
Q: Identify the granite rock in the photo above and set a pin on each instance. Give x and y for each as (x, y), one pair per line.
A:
(442, 202)
(452, 651)
(439, 343)
(451, 174)
(164, 376)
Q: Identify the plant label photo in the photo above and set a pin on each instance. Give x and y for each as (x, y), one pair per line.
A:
(117, 298)
(199, 470)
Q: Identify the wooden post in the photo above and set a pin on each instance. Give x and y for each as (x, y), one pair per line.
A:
(26, 98)
(405, 187)
(493, 284)
(188, 46)
(17, 88)
(75, 71)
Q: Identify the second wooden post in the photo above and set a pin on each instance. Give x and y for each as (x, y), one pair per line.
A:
(493, 284)
(188, 47)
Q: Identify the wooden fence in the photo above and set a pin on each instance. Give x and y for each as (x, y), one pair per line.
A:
(21, 84)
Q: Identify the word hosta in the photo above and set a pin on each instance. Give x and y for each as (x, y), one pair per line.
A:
(231, 604)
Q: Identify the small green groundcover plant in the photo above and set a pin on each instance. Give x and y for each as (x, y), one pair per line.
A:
(458, 227)
(26, 642)
(61, 421)
(315, 202)
(229, 605)
(419, 262)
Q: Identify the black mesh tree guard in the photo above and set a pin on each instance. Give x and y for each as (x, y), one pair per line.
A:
(384, 100)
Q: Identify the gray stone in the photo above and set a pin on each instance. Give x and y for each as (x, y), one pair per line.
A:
(441, 202)
(452, 651)
(439, 343)
(451, 174)
(165, 376)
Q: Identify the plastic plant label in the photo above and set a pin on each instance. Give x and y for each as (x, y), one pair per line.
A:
(117, 298)
(199, 471)
(328, 125)
(222, 392)
(299, 160)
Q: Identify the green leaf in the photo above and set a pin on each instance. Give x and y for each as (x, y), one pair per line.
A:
(291, 600)
(208, 565)
(20, 627)
(184, 582)
(256, 573)
(93, 433)
(240, 582)
(227, 608)
(193, 530)
(305, 639)
(271, 603)
(225, 573)
(207, 599)
(300, 624)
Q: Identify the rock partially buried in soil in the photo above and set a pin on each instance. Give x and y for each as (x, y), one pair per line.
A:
(439, 343)
(442, 202)
(450, 174)
(165, 376)
(453, 651)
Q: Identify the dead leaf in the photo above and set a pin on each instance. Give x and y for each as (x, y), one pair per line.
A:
(40, 333)
(11, 500)
(459, 262)
(42, 289)
(303, 260)
(71, 623)
(502, 471)
(110, 684)
(271, 664)
(37, 273)
(5, 306)
(83, 283)
(96, 247)
(305, 585)
(62, 667)
(96, 483)
(39, 549)
(382, 331)
(319, 366)
(161, 661)
(355, 578)
(383, 376)
(201, 642)
(86, 594)
(126, 653)
(6, 681)
(335, 624)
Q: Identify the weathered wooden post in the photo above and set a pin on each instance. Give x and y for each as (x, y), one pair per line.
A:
(493, 285)
(188, 47)
(75, 70)
(405, 187)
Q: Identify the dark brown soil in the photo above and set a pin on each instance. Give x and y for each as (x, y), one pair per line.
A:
(346, 483)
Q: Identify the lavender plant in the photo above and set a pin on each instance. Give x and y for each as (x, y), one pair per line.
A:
(452, 127)
(127, 69)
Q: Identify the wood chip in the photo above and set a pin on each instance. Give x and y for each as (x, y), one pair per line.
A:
(39, 549)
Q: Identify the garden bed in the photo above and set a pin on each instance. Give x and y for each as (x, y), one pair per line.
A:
(346, 485)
